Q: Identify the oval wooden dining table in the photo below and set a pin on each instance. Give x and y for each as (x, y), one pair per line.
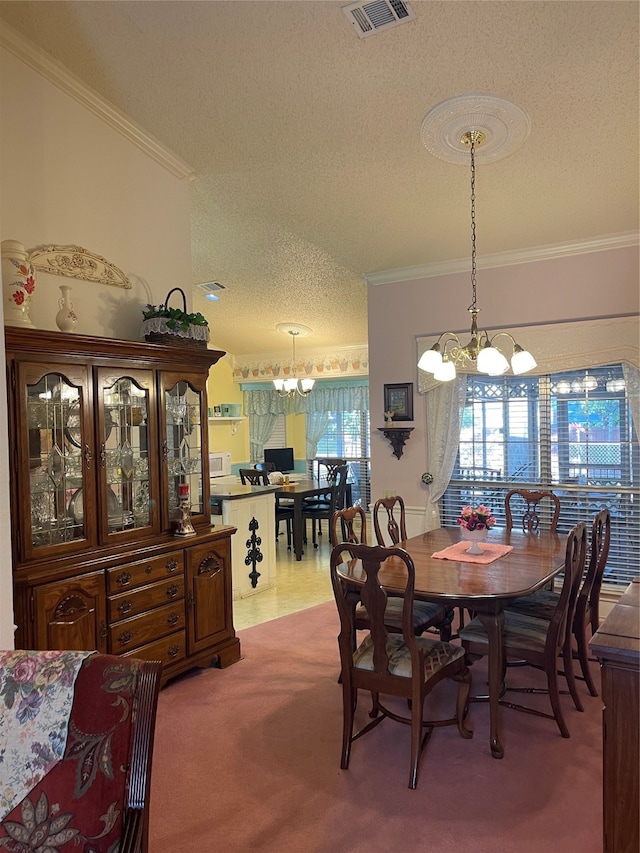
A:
(485, 588)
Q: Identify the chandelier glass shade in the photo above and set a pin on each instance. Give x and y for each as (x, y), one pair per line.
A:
(480, 351)
(292, 386)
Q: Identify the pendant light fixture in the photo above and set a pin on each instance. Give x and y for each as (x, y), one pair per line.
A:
(292, 386)
(480, 351)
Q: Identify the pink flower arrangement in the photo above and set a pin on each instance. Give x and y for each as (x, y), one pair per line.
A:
(476, 519)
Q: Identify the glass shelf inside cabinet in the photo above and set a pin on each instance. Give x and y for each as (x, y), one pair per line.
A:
(184, 444)
(125, 443)
(55, 462)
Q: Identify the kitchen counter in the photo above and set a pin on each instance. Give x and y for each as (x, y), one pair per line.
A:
(251, 509)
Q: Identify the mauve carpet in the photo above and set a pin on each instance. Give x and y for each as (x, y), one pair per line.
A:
(248, 758)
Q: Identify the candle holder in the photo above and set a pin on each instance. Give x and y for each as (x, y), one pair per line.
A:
(185, 527)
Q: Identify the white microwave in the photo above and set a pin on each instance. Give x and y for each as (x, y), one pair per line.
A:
(219, 464)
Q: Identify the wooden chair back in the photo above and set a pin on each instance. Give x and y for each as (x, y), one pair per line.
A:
(330, 465)
(560, 628)
(538, 509)
(396, 521)
(588, 604)
(253, 477)
(349, 525)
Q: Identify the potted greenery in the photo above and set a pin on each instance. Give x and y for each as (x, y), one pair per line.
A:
(174, 326)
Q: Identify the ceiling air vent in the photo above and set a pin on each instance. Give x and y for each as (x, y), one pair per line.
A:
(370, 17)
(209, 289)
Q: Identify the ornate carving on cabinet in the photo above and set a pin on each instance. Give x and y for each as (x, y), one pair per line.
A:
(209, 566)
(69, 608)
(254, 554)
(76, 262)
(396, 436)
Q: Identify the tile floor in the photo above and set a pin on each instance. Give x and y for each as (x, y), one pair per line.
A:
(298, 585)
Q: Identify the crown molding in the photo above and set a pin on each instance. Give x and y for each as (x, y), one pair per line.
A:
(506, 259)
(53, 71)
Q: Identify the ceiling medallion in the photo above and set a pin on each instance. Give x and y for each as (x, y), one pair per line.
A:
(503, 124)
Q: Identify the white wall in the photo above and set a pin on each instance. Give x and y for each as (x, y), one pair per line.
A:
(597, 284)
(68, 177)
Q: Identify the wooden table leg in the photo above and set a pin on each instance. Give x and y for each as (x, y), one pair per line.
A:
(493, 624)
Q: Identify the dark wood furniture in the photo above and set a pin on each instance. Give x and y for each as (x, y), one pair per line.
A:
(297, 493)
(109, 450)
(616, 644)
(253, 477)
(486, 589)
(531, 506)
(539, 642)
(322, 507)
(396, 527)
(391, 664)
(542, 603)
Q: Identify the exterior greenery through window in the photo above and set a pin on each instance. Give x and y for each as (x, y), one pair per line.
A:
(347, 437)
(569, 432)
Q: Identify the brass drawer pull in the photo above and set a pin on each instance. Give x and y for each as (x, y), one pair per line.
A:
(124, 607)
(123, 579)
(172, 651)
(172, 591)
(172, 619)
(125, 638)
(171, 566)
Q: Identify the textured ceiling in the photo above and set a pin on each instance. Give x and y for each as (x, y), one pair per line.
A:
(305, 139)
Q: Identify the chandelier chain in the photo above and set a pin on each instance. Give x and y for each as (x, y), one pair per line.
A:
(473, 226)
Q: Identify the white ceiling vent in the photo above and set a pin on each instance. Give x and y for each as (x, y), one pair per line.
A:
(210, 288)
(370, 17)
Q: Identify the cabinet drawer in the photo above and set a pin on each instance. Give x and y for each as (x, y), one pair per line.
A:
(138, 630)
(169, 649)
(132, 575)
(145, 598)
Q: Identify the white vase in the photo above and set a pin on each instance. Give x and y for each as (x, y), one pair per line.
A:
(18, 284)
(474, 536)
(66, 318)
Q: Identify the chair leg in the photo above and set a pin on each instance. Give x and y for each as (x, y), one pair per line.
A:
(417, 711)
(348, 707)
(554, 696)
(288, 534)
(462, 701)
(583, 656)
(567, 659)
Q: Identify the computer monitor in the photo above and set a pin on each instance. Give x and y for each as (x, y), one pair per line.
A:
(280, 457)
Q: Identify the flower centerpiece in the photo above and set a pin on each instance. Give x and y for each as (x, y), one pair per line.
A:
(475, 525)
(164, 325)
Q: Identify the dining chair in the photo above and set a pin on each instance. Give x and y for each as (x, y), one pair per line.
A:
(539, 642)
(253, 477)
(325, 468)
(332, 500)
(396, 526)
(542, 603)
(352, 528)
(95, 796)
(391, 664)
(534, 508)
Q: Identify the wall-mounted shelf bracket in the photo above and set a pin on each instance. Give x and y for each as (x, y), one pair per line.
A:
(396, 436)
(233, 421)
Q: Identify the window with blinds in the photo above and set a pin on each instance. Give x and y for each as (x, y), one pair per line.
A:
(278, 437)
(347, 437)
(569, 432)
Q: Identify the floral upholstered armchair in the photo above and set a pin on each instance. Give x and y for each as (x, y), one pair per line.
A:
(76, 741)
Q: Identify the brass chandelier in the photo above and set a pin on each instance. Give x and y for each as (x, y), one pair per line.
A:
(480, 350)
(292, 386)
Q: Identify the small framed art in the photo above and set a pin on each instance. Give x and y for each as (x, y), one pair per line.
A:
(398, 399)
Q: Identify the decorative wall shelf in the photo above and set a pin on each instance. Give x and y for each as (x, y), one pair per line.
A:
(396, 436)
(233, 421)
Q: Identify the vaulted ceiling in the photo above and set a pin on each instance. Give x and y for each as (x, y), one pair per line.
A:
(305, 139)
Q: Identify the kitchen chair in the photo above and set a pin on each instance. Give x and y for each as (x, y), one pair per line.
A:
(325, 468)
(253, 477)
(396, 527)
(97, 795)
(425, 614)
(539, 642)
(392, 664)
(534, 508)
(329, 502)
(542, 602)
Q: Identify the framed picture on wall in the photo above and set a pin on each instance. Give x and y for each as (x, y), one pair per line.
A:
(398, 399)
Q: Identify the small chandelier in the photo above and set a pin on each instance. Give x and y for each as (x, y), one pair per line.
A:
(291, 387)
(448, 351)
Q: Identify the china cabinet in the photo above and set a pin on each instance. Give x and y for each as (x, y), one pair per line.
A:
(109, 449)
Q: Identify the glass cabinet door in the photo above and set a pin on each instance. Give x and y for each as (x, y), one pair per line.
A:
(127, 437)
(56, 439)
(183, 446)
